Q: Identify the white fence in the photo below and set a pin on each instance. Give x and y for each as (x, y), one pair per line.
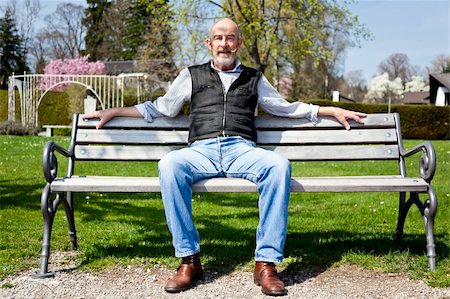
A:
(108, 90)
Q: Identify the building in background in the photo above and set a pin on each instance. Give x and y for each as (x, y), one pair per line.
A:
(440, 89)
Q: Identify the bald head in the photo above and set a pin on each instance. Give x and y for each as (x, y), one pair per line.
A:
(225, 24)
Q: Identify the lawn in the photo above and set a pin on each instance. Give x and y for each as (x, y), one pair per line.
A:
(325, 229)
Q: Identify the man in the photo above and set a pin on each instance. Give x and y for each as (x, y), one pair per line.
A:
(223, 96)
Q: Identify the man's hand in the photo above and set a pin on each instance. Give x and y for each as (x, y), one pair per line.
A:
(105, 115)
(342, 115)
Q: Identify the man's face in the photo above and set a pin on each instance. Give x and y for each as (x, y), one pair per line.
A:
(224, 42)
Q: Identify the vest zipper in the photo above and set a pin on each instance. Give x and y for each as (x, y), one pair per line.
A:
(224, 111)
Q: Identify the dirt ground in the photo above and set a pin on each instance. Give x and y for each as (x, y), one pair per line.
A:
(346, 281)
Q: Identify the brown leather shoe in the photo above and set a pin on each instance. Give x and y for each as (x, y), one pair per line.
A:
(188, 272)
(266, 276)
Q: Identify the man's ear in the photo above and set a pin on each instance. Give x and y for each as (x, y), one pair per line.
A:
(208, 43)
(240, 42)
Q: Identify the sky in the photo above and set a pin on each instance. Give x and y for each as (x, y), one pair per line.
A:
(418, 28)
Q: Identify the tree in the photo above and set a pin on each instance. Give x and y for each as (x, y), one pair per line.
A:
(396, 66)
(113, 26)
(64, 31)
(129, 30)
(156, 54)
(355, 82)
(12, 49)
(93, 18)
(39, 50)
(191, 19)
(76, 66)
(416, 84)
(293, 36)
(381, 88)
(25, 17)
(440, 64)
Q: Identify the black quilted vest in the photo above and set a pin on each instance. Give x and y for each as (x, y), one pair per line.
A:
(213, 114)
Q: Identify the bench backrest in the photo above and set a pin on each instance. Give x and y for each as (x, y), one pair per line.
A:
(298, 139)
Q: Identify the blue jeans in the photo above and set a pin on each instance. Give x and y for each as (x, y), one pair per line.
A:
(233, 157)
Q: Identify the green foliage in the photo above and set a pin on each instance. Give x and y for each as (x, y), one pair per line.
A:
(92, 20)
(157, 43)
(12, 49)
(446, 69)
(301, 38)
(3, 105)
(324, 229)
(55, 109)
(15, 128)
(417, 121)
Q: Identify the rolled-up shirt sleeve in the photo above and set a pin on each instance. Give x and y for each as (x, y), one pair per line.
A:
(271, 101)
(171, 103)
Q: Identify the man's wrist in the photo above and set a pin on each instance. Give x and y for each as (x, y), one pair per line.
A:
(326, 111)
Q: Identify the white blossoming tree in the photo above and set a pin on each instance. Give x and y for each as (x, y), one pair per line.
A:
(380, 88)
(416, 84)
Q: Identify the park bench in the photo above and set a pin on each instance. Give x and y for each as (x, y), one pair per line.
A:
(49, 129)
(134, 139)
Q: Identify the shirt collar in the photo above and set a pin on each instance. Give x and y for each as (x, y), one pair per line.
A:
(236, 69)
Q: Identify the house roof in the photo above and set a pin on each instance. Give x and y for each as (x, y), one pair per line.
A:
(418, 97)
(443, 78)
(117, 67)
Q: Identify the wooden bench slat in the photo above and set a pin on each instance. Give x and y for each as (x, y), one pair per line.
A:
(338, 152)
(305, 184)
(122, 153)
(264, 137)
(132, 136)
(262, 122)
(293, 153)
(328, 137)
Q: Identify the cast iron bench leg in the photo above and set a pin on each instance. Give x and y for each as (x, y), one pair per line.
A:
(48, 213)
(68, 207)
(429, 212)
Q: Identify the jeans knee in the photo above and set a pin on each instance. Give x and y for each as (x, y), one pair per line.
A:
(167, 164)
(282, 165)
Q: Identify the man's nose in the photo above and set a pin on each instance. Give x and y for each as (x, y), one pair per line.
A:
(223, 42)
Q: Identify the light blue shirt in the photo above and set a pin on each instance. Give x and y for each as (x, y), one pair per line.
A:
(269, 99)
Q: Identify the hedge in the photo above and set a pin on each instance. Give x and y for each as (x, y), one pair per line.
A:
(417, 121)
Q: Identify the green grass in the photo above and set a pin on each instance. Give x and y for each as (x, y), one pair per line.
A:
(325, 229)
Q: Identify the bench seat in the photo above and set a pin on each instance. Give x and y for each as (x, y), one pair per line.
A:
(304, 184)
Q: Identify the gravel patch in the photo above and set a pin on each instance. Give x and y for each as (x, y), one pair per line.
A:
(346, 281)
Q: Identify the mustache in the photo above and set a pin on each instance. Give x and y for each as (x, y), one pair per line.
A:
(229, 51)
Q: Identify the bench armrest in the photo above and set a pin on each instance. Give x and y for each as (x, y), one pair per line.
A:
(427, 165)
(49, 160)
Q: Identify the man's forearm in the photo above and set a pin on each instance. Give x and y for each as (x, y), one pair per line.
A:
(125, 111)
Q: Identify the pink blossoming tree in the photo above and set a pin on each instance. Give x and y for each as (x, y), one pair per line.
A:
(68, 67)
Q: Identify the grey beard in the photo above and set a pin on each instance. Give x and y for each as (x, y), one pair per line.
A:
(219, 61)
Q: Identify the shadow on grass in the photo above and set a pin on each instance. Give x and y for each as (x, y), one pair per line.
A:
(23, 194)
(227, 247)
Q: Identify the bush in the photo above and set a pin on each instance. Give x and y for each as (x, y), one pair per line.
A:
(3, 105)
(417, 121)
(14, 128)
